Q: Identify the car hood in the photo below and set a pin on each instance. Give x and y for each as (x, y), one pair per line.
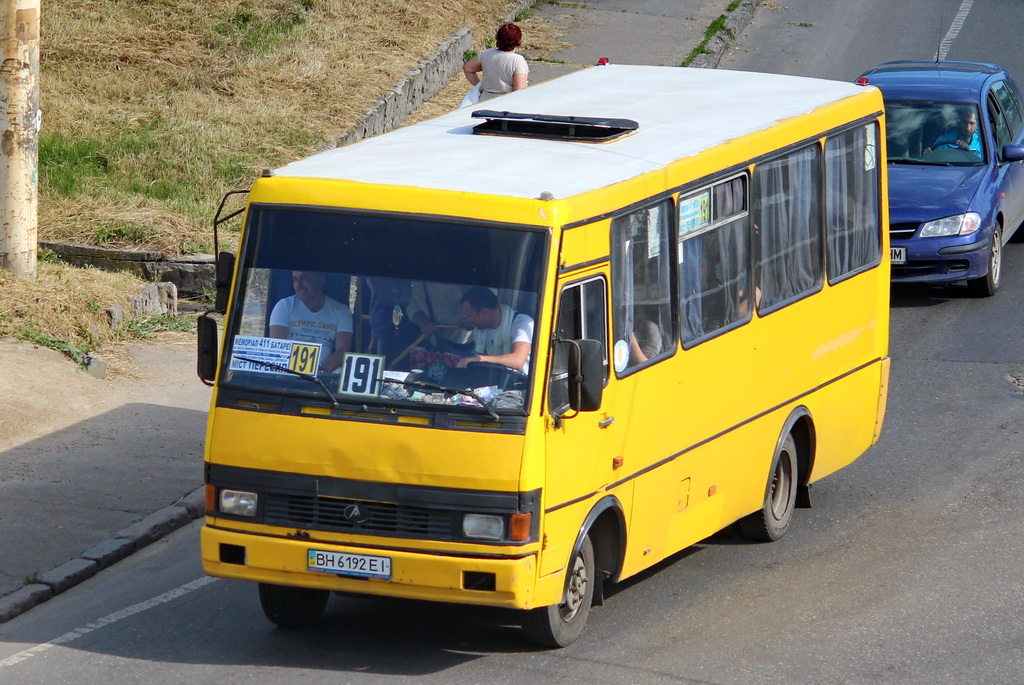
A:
(922, 193)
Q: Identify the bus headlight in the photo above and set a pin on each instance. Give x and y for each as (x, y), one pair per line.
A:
(961, 224)
(483, 526)
(238, 503)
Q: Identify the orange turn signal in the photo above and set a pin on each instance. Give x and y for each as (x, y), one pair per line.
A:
(211, 497)
(519, 527)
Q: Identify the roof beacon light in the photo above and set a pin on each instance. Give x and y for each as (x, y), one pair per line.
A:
(862, 81)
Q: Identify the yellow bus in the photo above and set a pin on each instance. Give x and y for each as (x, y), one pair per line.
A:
(509, 355)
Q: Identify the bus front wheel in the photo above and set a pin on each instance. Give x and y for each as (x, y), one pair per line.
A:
(560, 625)
(770, 522)
(292, 607)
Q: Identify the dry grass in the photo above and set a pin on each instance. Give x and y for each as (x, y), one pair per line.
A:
(152, 110)
(64, 309)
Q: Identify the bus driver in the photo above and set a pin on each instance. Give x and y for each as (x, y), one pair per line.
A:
(500, 336)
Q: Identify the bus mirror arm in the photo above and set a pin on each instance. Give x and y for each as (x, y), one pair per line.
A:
(225, 269)
(586, 374)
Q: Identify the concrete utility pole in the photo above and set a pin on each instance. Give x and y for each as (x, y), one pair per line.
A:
(19, 136)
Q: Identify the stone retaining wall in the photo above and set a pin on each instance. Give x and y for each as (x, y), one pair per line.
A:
(194, 275)
(422, 83)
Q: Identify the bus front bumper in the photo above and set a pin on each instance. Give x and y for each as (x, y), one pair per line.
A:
(509, 582)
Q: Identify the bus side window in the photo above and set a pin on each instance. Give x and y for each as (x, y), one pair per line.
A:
(853, 226)
(581, 315)
(642, 287)
(787, 227)
(714, 251)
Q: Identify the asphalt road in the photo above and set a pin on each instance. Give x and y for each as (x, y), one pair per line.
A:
(906, 570)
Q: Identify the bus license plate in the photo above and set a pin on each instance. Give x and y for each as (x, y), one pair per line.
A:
(357, 565)
(899, 255)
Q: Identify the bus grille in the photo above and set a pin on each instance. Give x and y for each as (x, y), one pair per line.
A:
(369, 518)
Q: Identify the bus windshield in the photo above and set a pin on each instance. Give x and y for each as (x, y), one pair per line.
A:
(385, 309)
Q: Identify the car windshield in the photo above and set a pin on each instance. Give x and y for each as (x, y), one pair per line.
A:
(380, 309)
(926, 132)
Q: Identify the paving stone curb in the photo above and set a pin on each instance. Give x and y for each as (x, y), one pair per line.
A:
(716, 47)
(104, 554)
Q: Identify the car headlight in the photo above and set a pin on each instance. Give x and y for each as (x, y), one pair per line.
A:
(961, 224)
(483, 526)
(238, 503)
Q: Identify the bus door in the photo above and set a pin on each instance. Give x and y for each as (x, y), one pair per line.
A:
(580, 447)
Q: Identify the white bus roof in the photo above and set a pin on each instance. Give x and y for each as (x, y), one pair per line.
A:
(681, 112)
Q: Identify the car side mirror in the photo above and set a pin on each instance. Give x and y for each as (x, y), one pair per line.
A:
(586, 374)
(225, 270)
(1013, 153)
(206, 334)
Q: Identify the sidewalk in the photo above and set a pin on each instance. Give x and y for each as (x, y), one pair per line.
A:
(93, 470)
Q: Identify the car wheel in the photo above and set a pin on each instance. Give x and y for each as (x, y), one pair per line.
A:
(562, 624)
(771, 521)
(987, 285)
(292, 607)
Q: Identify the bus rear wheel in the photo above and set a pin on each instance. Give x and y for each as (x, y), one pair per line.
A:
(560, 625)
(770, 522)
(292, 607)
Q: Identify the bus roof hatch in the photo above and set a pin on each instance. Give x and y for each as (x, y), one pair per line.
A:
(552, 126)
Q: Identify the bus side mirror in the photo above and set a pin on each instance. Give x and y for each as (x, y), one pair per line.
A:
(206, 331)
(586, 374)
(225, 270)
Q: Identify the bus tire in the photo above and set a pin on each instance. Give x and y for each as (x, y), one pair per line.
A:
(292, 607)
(561, 624)
(770, 522)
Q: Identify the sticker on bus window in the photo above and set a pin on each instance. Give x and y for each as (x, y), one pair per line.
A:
(361, 375)
(620, 355)
(274, 355)
(694, 212)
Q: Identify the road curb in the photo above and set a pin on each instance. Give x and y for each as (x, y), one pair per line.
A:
(716, 47)
(102, 555)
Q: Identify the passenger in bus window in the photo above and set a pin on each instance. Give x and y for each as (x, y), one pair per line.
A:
(391, 328)
(644, 341)
(311, 316)
(500, 335)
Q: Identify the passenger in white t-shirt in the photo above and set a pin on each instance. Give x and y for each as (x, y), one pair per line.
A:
(310, 316)
(500, 336)
(503, 69)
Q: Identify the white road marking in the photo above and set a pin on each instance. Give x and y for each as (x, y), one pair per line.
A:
(954, 30)
(107, 620)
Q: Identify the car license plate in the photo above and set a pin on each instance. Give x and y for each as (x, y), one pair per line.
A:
(899, 255)
(357, 565)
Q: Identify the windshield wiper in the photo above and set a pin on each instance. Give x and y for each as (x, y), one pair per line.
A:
(433, 386)
(309, 377)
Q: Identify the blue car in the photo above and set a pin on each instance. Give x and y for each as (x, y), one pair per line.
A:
(955, 138)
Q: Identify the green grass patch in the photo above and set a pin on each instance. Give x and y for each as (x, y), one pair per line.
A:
(716, 26)
(258, 35)
(122, 231)
(79, 355)
(65, 163)
(145, 328)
